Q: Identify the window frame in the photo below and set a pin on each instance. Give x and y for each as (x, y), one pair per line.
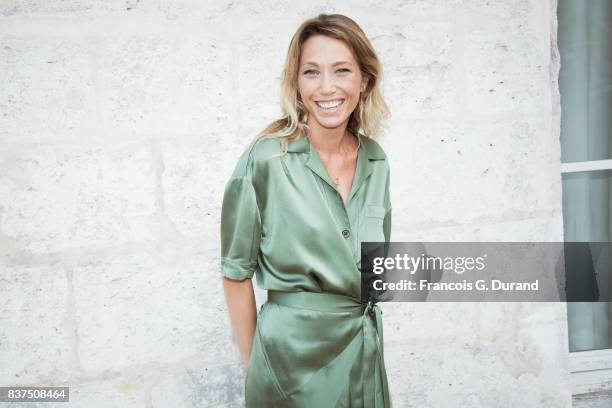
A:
(590, 371)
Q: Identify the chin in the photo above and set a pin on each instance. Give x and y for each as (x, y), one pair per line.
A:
(330, 123)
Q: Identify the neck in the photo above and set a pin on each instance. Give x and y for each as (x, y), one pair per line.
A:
(331, 141)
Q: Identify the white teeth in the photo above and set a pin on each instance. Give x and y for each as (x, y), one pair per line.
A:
(331, 104)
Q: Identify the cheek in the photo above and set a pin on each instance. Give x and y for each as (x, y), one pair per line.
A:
(305, 88)
(352, 91)
(351, 83)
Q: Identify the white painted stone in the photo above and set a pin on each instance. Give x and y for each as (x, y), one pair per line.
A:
(47, 91)
(160, 306)
(507, 69)
(175, 83)
(417, 68)
(258, 64)
(424, 322)
(37, 342)
(75, 196)
(194, 177)
(117, 392)
(20, 7)
(200, 384)
(468, 374)
(462, 172)
(437, 9)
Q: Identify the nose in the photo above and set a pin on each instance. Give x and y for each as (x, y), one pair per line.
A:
(328, 84)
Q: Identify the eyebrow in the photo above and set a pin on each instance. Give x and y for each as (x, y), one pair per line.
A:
(333, 65)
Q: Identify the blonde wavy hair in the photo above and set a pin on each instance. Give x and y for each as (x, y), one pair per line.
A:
(371, 111)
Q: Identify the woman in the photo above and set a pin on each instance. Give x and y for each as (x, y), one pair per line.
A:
(303, 196)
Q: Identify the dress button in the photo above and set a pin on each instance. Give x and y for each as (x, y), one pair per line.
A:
(346, 233)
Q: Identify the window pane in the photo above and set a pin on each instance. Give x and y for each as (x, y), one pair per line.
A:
(585, 79)
(587, 217)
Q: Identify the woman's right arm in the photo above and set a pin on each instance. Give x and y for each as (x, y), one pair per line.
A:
(241, 231)
(242, 309)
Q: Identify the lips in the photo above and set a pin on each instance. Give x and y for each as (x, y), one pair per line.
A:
(330, 105)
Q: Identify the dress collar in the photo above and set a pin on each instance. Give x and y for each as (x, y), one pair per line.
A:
(369, 151)
(372, 150)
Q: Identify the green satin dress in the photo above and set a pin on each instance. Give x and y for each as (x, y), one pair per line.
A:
(317, 344)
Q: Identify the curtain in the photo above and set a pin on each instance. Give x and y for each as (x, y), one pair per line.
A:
(585, 84)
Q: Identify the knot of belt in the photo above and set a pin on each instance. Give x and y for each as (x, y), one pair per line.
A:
(371, 326)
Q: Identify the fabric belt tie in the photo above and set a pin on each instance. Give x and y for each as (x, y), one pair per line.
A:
(371, 326)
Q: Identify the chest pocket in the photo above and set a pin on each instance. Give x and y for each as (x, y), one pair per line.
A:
(372, 224)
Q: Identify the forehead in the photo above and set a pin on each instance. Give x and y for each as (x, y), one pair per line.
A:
(320, 49)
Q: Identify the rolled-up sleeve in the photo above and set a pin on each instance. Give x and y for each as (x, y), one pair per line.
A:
(240, 229)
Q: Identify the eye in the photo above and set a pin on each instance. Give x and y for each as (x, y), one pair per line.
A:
(309, 71)
(344, 69)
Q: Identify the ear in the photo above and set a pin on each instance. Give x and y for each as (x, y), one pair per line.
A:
(364, 83)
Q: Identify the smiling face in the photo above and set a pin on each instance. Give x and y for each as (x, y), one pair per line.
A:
(329, 81)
